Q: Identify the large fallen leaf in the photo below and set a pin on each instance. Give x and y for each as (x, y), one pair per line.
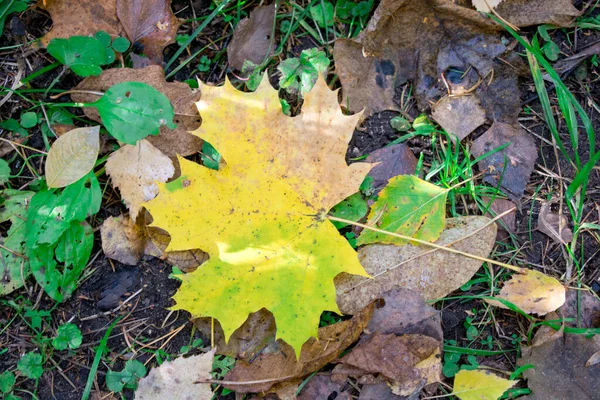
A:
(560, 368)
(511, 167)
(261, 218)
(182, 97)
(253, 38)
(434, 275)
(406, 359)
(533, 292)
(531, 12)
(72, 156)
(150, 23)
(177, 379)
(409, 206)
(135, 170)
(480, 385)
(278, 361)
(14, 269)
(81, 18)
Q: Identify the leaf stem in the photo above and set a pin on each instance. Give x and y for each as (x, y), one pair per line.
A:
(437, 246)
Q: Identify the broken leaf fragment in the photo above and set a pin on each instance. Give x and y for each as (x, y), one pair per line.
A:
(260, 218)
(533, 292)
(480, 385)
(409, 206)
(554, 225)
(72, 156)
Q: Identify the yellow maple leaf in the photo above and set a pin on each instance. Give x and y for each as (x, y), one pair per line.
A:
(262, 217)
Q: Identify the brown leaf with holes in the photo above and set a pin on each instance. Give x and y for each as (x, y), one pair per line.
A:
(150, 23)
(278, 361)
(81, 18)
(171, 142)
(252, 38)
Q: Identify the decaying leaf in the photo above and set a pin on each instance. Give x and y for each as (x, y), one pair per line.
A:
(253, 38)
(260, 218)
(434, 275)
(186, 260)
(560, 368)
(391, 161)
(533, 292)
(178, 379)
(582, 307)
(407, 360)
(122, 240)
(459, 115)
(170, 141)
(278, 362)
(554, 225)
(508, 222)
(81, 18)
(480, 385)
(409, 206)
(72, 156)
(511, 167)
(531, 12)
(321, 386)
(150, 23)
(14, 268)
(135, 170)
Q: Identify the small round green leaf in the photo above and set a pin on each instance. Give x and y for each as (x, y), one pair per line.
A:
(7, 382)
(4, 171)
(68, 336)
(83, 54)
(72, 156)
(131, 111)
(30, 365)
(322, 13)
(121, 44)
(104, 38)
(29, 119)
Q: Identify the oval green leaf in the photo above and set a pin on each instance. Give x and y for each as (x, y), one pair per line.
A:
(72, 156)
(408, 206)
(131, 111)
(83, 54)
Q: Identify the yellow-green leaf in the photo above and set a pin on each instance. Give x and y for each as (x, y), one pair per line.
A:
(409, 206)
(533, 292)
(261, 217)
(480, 385)
(72, 156)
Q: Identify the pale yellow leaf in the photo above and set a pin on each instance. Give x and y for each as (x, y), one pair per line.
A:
(480, 385)
(484, 5)
(533, 292)
(135, 171)
(176, 379)
(72, 156)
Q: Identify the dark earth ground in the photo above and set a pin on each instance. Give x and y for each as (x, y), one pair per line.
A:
(146, 318)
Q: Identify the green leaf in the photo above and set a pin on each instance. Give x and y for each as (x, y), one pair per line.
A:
(7, 382)
(4, 171)
(68, 336)
(322, 13)
(121, 44)
(29, 119)
(14, 268)
(55, 116)
(13, 125)
(210, 156)
(400, 124)
(551, 50)
(83, 54)
(300, 75)
(408, 206)
(116, 381)
(104, 38)
(131, 111)
(30, 365)
(9, 7)
(353, 208)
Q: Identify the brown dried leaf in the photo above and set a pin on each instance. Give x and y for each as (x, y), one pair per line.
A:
(321, 386)
(186, 260)
(434, 275)
(182, 97)
(459, 115)
(391, 161)
(560, 368)
(278, 362)
(583, 308)
(81, 18)
(122, 240)
(498, 207)
(150, 23)
(252, 39)
(531, 12)
(520, 156)
(406, 359)
(554, 225)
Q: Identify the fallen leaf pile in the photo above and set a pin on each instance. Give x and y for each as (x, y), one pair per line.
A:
(151, 24)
